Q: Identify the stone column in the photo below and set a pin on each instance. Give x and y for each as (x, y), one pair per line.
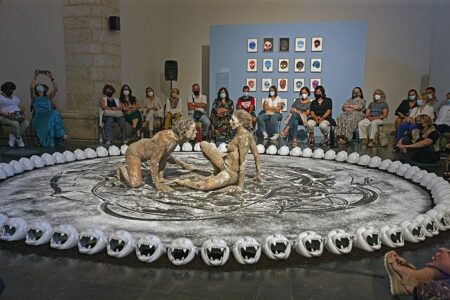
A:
(93, 58)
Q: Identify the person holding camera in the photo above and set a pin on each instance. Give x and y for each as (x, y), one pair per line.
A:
(47, 121)
(197, 104)
(12, 113)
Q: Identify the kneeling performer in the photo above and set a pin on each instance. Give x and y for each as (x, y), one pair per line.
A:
(157, 150)
(229, 167)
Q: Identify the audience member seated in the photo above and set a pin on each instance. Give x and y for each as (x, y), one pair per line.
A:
(430, 282)
(272, 106)
(298, 116)
(221, 112)
(111, 110)
(443, 118)
(353, 113)
(47, 122)
(376, 112)
(153, 109)
(173, 108)
(247, 103)
(433, 101)
(320, 115)
(404, 108)
(12, 113)
(409, 124)
(197, 108)
(131, 109)
(422, 145)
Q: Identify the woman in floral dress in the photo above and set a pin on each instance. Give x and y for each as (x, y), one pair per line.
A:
(353, 113)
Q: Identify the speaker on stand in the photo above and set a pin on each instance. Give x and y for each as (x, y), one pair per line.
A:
(171, 71)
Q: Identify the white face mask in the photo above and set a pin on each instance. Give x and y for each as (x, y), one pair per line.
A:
(150, 94)
(430, 96)
(223, 95)
(304, 95)
(126, 92)
(412, 97)
(377, 97)
(245, 94)
(272, 93)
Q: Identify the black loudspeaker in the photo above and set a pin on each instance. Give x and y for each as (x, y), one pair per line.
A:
(114, 23)
(171, 70)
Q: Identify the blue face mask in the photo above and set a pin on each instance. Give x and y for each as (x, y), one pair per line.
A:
(419, 102)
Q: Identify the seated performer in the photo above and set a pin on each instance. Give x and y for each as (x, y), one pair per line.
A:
(229, 167)
(157, 150)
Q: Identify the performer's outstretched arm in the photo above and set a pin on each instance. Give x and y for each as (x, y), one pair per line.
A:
(180, 163)
(255, 153)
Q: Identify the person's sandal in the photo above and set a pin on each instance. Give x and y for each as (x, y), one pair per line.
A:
(294, 143)
(311, 143)
(285, 132)
(395, 280)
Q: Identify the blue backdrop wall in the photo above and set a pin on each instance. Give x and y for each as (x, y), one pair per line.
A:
(342, 58)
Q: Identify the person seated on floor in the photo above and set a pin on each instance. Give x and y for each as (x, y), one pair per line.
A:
(12, 113)
(430, 282)
(422, 145)
(352, 114)
(111, 109)
(47, 122)
(443, 118)
(376, 112)
(404, 108)
(320, 115)
(247, 103)
(152, 108)
(131, 110)
(173, 108)
(221, 112)
(408, 124)
(299, 116)
(197, 108)
(272, 106)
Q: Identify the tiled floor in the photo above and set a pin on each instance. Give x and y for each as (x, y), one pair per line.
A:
(42, 273)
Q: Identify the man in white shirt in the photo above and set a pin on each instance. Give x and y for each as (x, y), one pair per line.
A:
(443, 119)
(12, 113)
(197, 108)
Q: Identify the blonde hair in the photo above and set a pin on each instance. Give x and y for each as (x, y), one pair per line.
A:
(245, 118)
(381, 92)
(425, 120)
(175, 90)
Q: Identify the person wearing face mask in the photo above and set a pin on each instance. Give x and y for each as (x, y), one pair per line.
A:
(352, 114)
(111, 112)
(47, 122)
(443, 118)
(12, 113)
(299, 116)
(376, 112)
(408, 125)
(422, 145)
(403, 110)
(432, 99)
(153, 109)
(221, 112)
(172, 108)
(320, 115)
(247, 103)
(272, 106)
(197, 107)
(131, 109)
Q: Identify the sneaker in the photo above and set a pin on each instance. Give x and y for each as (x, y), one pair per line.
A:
(12, 140)
(265, 135)
(275, 137)
(125, 142)
(108, 143)
(20, 142)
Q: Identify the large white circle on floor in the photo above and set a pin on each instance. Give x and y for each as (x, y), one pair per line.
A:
(297, 194)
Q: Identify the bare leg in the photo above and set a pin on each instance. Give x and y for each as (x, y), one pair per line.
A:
(213, 182)
(134, 173)
(213, 155)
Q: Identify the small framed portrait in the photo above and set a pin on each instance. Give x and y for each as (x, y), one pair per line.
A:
(266, 83)
(268, 45)
(267, 65)
(316, 43)
(299, 65)
(316, 65)
(284, 45)
(314, 83)
(251, 82)
(252, 65)
(283, 65)
(282, 84)
(300, 44)
(284, 106)
(298, 84)
(252, 45)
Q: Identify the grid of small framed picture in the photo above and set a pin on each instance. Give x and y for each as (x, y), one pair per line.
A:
(283, 66)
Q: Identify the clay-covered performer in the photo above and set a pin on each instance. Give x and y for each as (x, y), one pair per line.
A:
(229, 167)
(158, 151)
